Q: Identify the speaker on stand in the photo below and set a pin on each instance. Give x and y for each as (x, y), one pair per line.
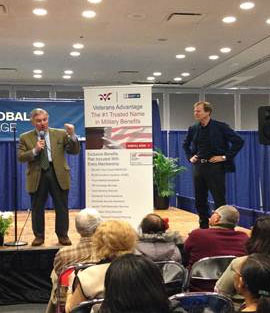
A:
(264, 125)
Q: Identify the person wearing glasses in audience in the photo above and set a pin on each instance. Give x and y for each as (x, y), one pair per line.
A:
(253, 283)
(259, 242)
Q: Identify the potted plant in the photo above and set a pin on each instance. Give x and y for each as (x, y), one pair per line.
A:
(165, 170)
(5, 222)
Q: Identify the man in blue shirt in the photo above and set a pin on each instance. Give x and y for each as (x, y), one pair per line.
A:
(210, 146)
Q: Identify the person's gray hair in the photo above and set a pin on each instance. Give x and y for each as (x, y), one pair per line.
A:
(86, 222)
(37, 111)
(228, 215)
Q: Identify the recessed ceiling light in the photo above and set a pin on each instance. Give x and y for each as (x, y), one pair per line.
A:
(37, 76)
(177, 79)
(157, 73)
(190, 49)
(94, 1)
(38, 52)
(180, 56)
(75, 53)
(185, 74)
(267, 21)
(68, 72)
(225, 50)
(37, 71)
(38, 44)
(150, 78)
(78, 46)
(229, 19)
(89, 14)
(247, 5)
(40, 11)
(66, 76)
(213, 57)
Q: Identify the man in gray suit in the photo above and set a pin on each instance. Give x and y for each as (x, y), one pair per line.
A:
(48, 172)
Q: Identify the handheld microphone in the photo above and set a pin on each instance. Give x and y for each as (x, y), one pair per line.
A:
(42, 134)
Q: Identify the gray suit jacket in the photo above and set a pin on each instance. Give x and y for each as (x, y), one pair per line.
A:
(60, 143)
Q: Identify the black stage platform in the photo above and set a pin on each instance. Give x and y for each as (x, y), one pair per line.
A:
(25, 275)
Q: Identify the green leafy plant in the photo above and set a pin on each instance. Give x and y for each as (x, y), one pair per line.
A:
(165, 170)
(6, 219)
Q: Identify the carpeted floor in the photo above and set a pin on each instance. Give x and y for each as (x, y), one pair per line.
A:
(24, 308)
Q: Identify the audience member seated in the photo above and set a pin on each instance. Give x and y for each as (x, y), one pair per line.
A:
(133, 283)
(253, 282)
(259, 242)
(111, 239)
(220, 239)
(156, 242)
(86, 222)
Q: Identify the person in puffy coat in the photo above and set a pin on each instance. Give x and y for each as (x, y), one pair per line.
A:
(156, 242)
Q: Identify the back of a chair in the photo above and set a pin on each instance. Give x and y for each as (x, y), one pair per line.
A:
(81, 267)
(175, 276)
(63, 282)
(205, 272)
(202, 302)
(87, 306)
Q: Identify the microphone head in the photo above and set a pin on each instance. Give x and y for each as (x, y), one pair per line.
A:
(42, 134)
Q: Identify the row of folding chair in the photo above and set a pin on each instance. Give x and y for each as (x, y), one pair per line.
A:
(204, 272)
(191, 302)
(176, 277)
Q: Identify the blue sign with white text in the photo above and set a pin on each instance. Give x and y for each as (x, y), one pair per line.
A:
(15, 114)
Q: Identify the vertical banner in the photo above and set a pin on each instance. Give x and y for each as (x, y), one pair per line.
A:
(119, 171)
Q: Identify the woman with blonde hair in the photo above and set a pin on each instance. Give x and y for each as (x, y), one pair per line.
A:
(111, 239)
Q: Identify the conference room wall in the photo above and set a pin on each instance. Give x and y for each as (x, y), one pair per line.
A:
(181, 110)
(238, 108)
(249, 109)
(223, 105)
(4, 93)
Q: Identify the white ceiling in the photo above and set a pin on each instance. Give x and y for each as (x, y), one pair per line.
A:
(136, 35)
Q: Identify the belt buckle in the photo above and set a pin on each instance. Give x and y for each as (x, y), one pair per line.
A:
(204, 160)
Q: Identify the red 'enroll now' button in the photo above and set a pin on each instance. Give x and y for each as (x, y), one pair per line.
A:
(139, 145)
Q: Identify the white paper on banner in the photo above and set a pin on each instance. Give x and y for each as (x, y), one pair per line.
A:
(119, 175)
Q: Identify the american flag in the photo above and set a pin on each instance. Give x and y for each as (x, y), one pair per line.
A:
(132, 137)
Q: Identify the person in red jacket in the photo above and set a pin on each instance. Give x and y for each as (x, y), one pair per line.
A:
(220, 239)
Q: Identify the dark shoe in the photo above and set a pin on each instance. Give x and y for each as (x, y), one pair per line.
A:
(38, 241)
(64, 240)
(204, 224)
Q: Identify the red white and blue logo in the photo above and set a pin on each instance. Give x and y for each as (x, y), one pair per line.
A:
(105, 96)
